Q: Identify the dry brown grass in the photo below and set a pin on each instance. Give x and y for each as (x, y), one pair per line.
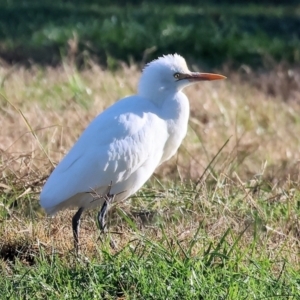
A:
(263, 149)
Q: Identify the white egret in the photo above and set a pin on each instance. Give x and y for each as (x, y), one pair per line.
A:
(121, 148)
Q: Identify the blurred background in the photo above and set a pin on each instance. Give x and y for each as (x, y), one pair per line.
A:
(253, 33)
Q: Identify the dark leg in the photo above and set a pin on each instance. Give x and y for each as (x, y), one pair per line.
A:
(75, 227)
(102, 215)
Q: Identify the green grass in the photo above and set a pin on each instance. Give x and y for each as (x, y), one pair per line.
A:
(192, 249)
(152, 271)
(168, 266)
(212, 34)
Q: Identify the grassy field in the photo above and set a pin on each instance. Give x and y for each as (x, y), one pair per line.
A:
(218, 221)
(245, 32)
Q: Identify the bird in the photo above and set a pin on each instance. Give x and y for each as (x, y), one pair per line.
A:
(121, 148)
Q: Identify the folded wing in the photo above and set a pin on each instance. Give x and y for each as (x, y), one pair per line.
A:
(113, 147)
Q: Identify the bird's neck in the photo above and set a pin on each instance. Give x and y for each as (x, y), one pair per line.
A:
(176, 108)
(158, 95)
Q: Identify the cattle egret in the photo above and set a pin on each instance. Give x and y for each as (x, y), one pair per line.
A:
(121, 148)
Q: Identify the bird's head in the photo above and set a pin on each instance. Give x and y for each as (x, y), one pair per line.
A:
(169, 74)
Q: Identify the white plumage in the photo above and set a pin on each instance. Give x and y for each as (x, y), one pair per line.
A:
(121, 148)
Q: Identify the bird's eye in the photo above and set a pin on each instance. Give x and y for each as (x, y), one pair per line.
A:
(176, 75)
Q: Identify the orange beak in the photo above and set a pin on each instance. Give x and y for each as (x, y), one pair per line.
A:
(203, 76)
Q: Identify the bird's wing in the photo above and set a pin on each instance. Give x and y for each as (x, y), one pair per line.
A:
(114, 146)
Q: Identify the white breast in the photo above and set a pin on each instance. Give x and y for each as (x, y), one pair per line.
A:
(176, 111)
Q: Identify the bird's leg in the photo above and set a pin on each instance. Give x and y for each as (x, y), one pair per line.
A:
(75, 227)
(103, 211)
(102, 216)
(108, 199)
